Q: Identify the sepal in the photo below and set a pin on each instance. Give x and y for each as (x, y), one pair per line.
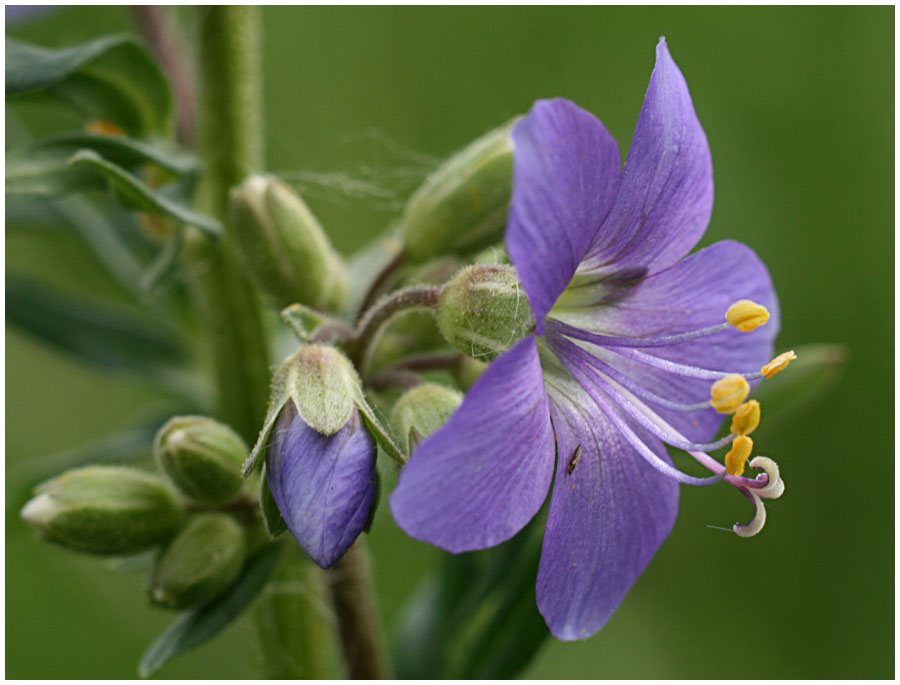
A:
(105, 510)
(462, 207)
(202, 457)
(200, 563)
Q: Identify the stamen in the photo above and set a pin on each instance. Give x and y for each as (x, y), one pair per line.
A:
(778, 364)
(738, 455)
(727, 394)
(650, 421)
(746, 418)
(747, 316)
(643, 450)
(681, 369)
(649, 341)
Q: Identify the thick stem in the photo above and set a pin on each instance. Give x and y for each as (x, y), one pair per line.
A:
(354, 605)
(231, 147)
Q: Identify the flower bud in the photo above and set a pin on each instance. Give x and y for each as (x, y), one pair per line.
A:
(200, 563)
(483, 311)
(202, 458)
(421, 411)
(284, 246)
(462, 206)
(105, 510)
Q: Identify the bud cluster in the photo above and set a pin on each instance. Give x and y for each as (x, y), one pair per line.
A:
(197, 511)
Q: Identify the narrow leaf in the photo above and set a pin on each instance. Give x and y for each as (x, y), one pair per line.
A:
(198, 626)
(100, 336)
(126, 152)
(112, 79)
(46, 174)
(137, 194)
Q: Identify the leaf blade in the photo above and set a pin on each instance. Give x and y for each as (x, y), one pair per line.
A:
(196, 627)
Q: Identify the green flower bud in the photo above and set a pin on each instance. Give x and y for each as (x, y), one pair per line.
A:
(202, 458)
(421, 411)
(483, 311)
(200, 563)
(462, 206)
(284, 246)
(105, 510)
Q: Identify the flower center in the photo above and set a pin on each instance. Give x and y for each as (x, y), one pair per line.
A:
(600, 363)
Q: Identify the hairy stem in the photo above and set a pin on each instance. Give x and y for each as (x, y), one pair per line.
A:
(231, 145)
(389, 306)
(357, 617)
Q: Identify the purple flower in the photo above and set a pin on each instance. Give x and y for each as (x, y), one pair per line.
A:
(630, 333)
(324, 485)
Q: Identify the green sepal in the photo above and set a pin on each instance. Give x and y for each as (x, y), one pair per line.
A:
(198, 626)
(202, 458)
(135, 194)
(274, 521)
(463, 205)
(107, 510)
(322, 384)
(380, 428)
(306, 322)
(421, 411)
(200, 563)
(112, 79)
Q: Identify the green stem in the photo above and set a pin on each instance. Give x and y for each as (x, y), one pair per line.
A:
(231, 146)
(385, 309)
(354, 605)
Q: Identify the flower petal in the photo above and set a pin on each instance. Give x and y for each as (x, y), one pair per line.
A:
(609, 513)
(666, 194)
(478, 480)
(693, 294)
(565, 176)
(324, 485)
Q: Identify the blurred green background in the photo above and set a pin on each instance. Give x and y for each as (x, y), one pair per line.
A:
(798, 107)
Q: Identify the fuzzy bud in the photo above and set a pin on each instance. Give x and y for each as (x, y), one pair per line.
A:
(421, 411)
(105, 510)
(200, 563)
(483, 311)
(202, 458)
(462, 206)
(284, 246)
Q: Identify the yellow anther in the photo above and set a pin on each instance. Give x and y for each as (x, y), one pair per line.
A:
(778, 364)
(746, 418)
(727, 393)
(737, 456)
(746, 315)
(103, 128)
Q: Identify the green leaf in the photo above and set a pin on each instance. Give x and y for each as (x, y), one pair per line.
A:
(121, 150)
(46, 173)
(198, 626)
(809, 378)
(136, 194)
(93, 334)
(112, 79)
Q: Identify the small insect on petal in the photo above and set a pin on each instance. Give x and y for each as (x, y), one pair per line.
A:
(573, 462)
(778, 364)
